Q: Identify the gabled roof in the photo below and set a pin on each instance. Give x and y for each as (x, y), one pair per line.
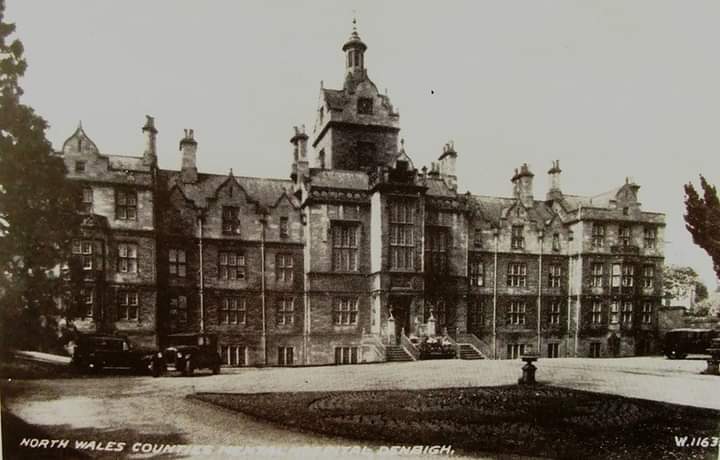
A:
(438, 187)
(265, 192)
(335, 98)
(494, 209)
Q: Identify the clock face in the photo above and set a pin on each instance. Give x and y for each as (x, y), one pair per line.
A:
(365, 105)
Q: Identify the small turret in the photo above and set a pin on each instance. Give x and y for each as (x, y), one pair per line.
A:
(300, 165)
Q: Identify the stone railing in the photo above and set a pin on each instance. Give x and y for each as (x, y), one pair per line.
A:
(471, 339)
(409, 346)
(373, 349)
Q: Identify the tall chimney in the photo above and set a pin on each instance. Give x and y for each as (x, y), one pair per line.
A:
(150, 153)
(523, 185)
(447, 165)
(188, 146)
(554, 191)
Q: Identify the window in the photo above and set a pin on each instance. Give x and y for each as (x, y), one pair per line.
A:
(556, 242)
(346, 311)
(627, 310)
(86, 206)
(346, 355)
(321, 157)
(597, 312)
(230, 220)
(233, 311)
(345, 247)
(284, 268)
(516, 314)
(79, 166)
(595, 349)
(624, 235)
(476, 314)
(285, 311)
(233, 355)
(553, 350)
(598, 235)
(517, 240)
(126, 205)
(178, 308)
(128, 306)
(514, 350)
(648, 276)
(598, 275)
(616, 273)
(555, 276)
(477, 273)
(478, 240)
(402, 240)
(517, 275)
(284, 230)
(365, 105)
(177, 262)
(285, 356)
(127, 258)
(626, 211)
(555, 312)
(614, 313)
(647, 313)
(436, 243)
(650, 237)
(83, 249)
(628, 275)
(231, 266)
(87, 302)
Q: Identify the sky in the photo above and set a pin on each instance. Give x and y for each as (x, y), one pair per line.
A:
(612, 89)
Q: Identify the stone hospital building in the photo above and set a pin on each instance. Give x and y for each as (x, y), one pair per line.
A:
(359, 253)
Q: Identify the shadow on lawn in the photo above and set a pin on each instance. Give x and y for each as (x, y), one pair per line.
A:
(538, 421)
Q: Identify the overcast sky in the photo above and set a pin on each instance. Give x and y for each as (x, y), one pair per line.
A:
(610, 88)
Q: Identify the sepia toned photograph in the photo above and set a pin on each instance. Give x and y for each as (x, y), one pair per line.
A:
(345, 230)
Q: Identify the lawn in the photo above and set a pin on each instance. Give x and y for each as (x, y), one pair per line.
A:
(524, 420)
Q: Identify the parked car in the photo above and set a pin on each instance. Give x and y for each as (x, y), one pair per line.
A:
(94, 352)
(681, 342)
(191, 351)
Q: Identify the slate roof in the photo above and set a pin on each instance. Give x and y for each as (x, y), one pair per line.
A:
(335, 98)
(122, 162)
(491, 208)
(266, 192)
(438, 187)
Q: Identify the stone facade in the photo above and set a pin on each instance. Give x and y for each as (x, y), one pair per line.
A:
(359, 250)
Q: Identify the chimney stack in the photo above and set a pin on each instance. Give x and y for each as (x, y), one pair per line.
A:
(523, 185)
(188, 146)
(447, 165)
(150, 153)
(300, 165)
(554, 191)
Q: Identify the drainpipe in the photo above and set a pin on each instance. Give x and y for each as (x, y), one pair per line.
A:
(495, 273)
(201, 276)
(263, 338)
(539, 297)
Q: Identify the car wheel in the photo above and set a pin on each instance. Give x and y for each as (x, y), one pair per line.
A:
(155, 369)
(188, 368)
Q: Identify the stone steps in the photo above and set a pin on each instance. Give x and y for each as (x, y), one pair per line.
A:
(468, 352)
(396, 353)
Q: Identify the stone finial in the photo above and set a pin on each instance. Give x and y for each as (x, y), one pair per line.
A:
(150, 124)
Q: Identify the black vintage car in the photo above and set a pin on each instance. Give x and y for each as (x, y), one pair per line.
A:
(679, 343)
(191, 351)
(94, 352)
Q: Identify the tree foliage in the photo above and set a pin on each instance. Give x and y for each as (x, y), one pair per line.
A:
(682, 282)
(702, 219)
(37, 209)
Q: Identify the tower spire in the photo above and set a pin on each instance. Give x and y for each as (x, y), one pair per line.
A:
(354, 51)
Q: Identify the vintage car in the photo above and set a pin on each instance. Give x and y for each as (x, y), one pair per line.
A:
(190, 351)
(94, 352)
(436, 348)
(679, 343)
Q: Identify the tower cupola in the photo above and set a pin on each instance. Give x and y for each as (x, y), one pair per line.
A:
(354, 52)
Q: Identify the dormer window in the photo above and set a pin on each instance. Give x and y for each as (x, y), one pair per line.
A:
(79, 166)
(365, 106)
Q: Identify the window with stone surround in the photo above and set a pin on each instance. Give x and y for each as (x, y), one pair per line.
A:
(555, 306)
(598, 275)
(233, 355)
(627, 310)
(555, 276)
(285, 313)
(178, 308)
(614, 312)
(596, 312)
(477, 273)
(616, 275)
(598, 235)
(230, 220)
(650, 237)
(84, 249)
(345, 246)
(517, 312)
(233, 310)
(125, 204)
(648, 276)
(647, 313)
(365, 105)
(87, 302)
(478, 240)
(284, 268)
(624, 235)
(436, 247)
(517, 237)
(128, 304)
(231, 266)
(284, 228)
(402, 235)
(515, 350)
(556, 242)
(286, 356)
(628, 275)
(80, 166)
(517, 275)
(177, 262)
(346, 311)
(346, 355)
(127, 258)
(86, 206)
(476, 313)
